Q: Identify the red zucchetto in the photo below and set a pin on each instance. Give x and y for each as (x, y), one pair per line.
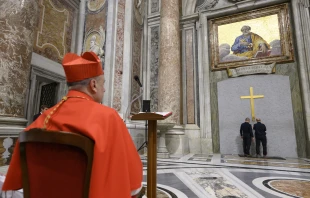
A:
(78, 68)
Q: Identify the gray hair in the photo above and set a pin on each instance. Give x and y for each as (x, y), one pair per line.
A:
(245, 27)
(247, 119)
(79, 84)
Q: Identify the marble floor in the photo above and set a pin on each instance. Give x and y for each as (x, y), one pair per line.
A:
(232, 176)
(228, 176)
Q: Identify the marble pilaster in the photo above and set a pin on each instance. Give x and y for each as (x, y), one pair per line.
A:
(301, 10)
(114, 50)
(127, 56)
(169, 77)
(204, 85)
(80, 32)
(18, 20)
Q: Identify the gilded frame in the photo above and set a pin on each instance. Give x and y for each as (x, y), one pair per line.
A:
(286, 55)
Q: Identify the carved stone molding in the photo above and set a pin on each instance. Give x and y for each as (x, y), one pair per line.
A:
(206, 5)
(188, 7)
(154, 6)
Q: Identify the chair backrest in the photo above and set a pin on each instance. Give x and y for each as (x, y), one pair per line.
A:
(55, 163)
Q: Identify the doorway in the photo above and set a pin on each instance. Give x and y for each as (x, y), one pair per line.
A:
(46, 88)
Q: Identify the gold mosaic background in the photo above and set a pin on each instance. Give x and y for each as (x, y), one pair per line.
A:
(267, 27)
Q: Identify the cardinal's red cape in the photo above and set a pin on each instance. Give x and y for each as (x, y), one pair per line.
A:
(117, 168)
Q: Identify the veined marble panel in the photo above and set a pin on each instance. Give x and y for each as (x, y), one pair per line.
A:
(117, 86)
(54, 29)
(154, 67)
(17, 22)
(139, 10)
(215, 184)
(215, 77)
(293, 187)
(136, 64)
(190, 91)
(300, 131)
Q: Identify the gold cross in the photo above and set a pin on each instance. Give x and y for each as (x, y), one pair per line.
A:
(252, 97)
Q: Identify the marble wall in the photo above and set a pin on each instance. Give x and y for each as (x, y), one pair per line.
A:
(17, 23)
(54, 29)
(117, 86)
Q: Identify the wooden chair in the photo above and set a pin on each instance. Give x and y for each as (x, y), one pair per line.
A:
(55, 164)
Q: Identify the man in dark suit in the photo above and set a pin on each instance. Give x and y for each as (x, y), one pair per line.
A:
(260, 136)
(246, 134)
(42, 109)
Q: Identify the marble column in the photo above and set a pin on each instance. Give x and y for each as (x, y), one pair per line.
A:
(169, 71)
(17, 22)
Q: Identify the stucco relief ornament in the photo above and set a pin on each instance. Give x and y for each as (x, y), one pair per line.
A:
(95, 5)
(207, 4)
(96, 45)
